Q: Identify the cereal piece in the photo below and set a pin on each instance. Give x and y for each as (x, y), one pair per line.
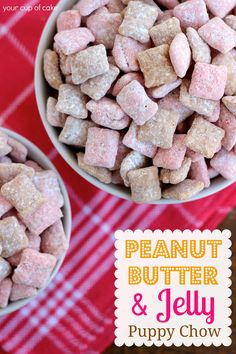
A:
(212, 173)
(54, 240)
(115, 6)
(165, 32)
(134, 160)
(68, 20)
(181, 62)
(135, 102)
(20, 291)
(149, 2)
(139, 19)
(64, 60)
(33, 165)
(218, 35)
(19, 152)
(101, 173)
(10, 171)
(43, 217)
(200, 105)
(184, 190)
(116, 178)
(47, 183)
(220, 8)
(194, 156)
(230, 103)
(204, 137)
(131, 140)
(89, 63)
(160, 129)
(172, 102)
(34, 269)
(101, 147)
(5, 148)
(108, 113)
(15, 259)
(125, 52)
(169, 4)
(51, 69)
(156, 66)
(86, 7)
(73, 40)
(97, 87)
(208, 81)
(75, 131)
(5, 206)
(163, 90)
(22, 194)
(72, 101)
(176, 176)
(192, 13)
(5, 290)
(231, 21)
(5, 159)
(224, 162)
(199, 172)
(145, 185)
(122, 152)
(12, 238)
(200, 50)
(230, 63)
(172, 158)
(55, 118)
(5, 268)
(104, 27)
(227, 122)
(125, 80)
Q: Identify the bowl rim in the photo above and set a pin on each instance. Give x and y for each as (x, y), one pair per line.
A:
(67, 216)
(63, 150)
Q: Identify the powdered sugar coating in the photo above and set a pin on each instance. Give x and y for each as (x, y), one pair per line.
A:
(200, 50)
(220, 8)
(86, 7)
(165, 32)
(178, 46)
(184, 190)
(192, 13)
(135, 102)
(12, 238)
(72, 101)
(199, 172)
(230, 103)
(20, 291)
(227, 122)
(55, 118)
(224, 162)
(75, 131)
(5, 291)
(73, 40)
(68, 19)
(5, 268)
(134, 160)
(163, 90)
(125, 80)
(178, 175)
(230, 63)
(102, 174)
(54, 240)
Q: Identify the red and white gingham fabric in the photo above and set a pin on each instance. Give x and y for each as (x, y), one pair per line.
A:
(75, 314)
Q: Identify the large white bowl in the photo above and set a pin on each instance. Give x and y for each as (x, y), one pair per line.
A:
(38, 156)
(42, 93)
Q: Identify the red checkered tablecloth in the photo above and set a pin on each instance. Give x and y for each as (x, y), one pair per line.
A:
(75, 314)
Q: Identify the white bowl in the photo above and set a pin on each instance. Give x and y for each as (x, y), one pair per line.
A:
(42, 93)
(38, 156)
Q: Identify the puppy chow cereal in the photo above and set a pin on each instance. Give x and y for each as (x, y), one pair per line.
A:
(142, 92)
(30, 210)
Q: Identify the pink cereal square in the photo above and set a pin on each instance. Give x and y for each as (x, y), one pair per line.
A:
(101, 147)
(5, 206)
(86, 7)
(227, 121)
(192, 13)
(108, 113)
(73, 40)
(5, 268)
(5, 291)
(220, 8)
(208, 81)
(54, 117)
(218, 35)
(19, 152)
(199, 172)
(72, 101)
(125, 53)
(8, 171)
(181, 63)
(22, 194)
(54, 240)
(125, 80)
(43, 217)
(172, 158)
(20, 291)
(68, 19)
(135, 102)
(224, 162)
(48, 184)
(34, 269)
(130, 140)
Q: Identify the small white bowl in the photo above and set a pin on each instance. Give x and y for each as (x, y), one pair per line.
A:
(43, 92)
(38, 156)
